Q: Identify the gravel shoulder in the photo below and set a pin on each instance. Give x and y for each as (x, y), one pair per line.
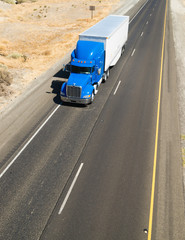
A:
(178, 22)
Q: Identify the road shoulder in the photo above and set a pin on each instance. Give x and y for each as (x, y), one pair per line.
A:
(169, 219)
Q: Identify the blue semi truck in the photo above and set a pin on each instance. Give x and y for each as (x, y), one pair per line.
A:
(97, 49)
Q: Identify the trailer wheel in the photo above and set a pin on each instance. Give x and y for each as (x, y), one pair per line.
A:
(123, 50)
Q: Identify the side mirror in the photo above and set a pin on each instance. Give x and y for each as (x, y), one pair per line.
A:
(64, 67)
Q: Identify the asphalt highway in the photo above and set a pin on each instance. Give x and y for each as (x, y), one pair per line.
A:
(88, 172)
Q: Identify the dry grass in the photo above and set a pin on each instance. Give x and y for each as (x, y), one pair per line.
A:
(5, 81)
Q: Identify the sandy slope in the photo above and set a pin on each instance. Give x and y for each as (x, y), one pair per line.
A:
(33, 36)
(178, 14)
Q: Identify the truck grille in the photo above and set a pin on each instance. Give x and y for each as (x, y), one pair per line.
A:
(73, 91)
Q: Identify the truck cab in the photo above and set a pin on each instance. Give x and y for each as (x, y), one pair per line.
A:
(98, 49)
(86, 71)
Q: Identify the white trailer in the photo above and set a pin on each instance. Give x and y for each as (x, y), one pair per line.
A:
(113, 32)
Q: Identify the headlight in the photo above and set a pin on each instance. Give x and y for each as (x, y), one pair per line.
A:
(87, 96)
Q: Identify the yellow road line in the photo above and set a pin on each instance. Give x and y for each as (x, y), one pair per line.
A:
(157, 135)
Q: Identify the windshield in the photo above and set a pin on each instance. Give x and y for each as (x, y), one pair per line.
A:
(83, 70)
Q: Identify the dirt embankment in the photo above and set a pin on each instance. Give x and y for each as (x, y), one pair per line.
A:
(34, 35)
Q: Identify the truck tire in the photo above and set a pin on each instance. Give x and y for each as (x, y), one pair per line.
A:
(108, 73)
(123, 50)
(92, 97)
(106, 76)
(95, 89)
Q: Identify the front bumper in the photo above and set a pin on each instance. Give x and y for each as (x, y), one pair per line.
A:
(76, 100)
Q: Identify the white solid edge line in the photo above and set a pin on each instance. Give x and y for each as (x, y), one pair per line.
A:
(117, 88)
(139, 11)
(70, 189)
(19, 153)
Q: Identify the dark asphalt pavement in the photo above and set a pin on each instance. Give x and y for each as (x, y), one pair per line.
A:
(114, 139)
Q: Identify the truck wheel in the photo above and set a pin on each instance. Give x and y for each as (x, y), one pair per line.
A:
(123, 50)
(108, 73)
(104, 78)
(92, 97)
(95, 89)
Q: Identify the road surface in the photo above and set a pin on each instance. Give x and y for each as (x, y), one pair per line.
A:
(87, 172)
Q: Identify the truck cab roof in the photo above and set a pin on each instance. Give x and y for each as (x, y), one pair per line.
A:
(88, 50)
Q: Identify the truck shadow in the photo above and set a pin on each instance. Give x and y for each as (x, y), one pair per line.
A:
(62, 74)
(58, 79)
(56, 85)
